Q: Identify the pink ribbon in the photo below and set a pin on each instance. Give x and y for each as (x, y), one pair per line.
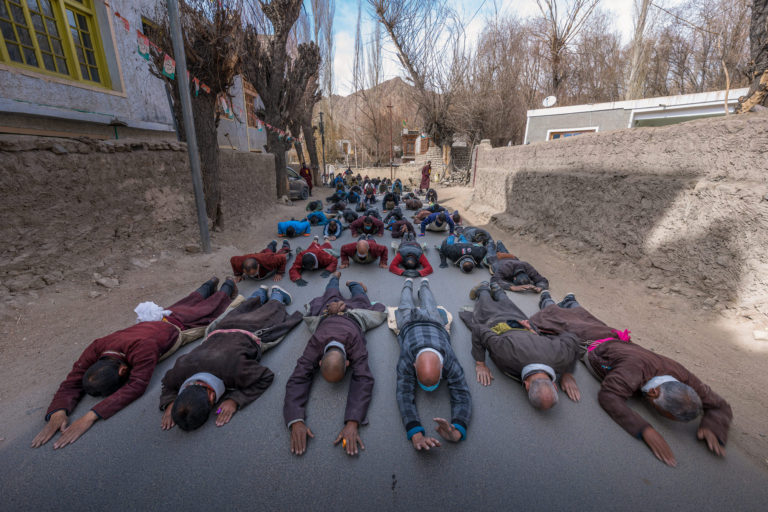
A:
(621, 335)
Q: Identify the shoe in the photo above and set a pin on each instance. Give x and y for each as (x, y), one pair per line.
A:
(287, 299)
(477, 288)
(209, 287)
(258, 291)
(231, 286)
(409, 281)
(496, 290)
(543, 296)
(424, 281)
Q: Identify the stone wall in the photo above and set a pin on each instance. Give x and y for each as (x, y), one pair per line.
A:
(686, 204)
(72, 207)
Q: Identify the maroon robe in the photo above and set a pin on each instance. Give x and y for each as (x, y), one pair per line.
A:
(142, 346)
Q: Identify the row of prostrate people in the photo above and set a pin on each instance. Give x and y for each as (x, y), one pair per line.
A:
(224, 373)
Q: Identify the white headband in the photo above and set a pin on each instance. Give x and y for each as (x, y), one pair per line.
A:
(439, 355)
(656, 382)
(216, 383)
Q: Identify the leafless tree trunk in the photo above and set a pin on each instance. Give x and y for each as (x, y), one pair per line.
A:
(639, 52)
(758, 66)
(280, 80)
(213, 39)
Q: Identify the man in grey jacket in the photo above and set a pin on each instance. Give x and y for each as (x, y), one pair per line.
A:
(518, 349)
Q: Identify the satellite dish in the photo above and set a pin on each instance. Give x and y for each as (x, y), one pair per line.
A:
(549, 101)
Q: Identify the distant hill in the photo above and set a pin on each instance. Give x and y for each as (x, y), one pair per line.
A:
(395, 92)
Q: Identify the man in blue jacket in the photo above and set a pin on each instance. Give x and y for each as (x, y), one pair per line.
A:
(439, 221)
(293, 227)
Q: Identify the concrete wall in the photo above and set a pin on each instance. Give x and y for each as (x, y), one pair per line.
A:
(685, 203)
(71, 207)
(136, 97)
(604, 119)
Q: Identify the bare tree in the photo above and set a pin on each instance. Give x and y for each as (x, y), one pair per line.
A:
(758, 65)
(280, 80)
(559, 29)
(212, 34)
(640, 50)
(429, 40)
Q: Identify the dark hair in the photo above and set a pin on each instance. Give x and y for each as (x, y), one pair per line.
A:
(308, 261)
(250, 264)
(456, 217)
(410, 262)
(520, 279)
(468, 265)
(441, 216)
(290, 231)
(367, 220)
(679, 400)
(103, 377)
(191, 408)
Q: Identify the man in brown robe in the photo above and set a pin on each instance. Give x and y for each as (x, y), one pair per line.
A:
(226, 368)
(338, 341)
(626, 368)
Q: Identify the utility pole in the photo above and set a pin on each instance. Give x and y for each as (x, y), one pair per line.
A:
(322, 139)
(391, 161)
(189, 125)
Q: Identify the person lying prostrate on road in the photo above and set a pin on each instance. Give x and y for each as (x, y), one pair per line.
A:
(440, 221)
(293, 227)
(314, 258)
(410, 256)
(364, 251)
(367, 226)
(119, 366)
(262, 265)
(338, 341)
(626, 369)
(512, 274)
(333, 229)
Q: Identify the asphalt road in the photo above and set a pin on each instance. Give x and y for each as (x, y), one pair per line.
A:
(573, 457)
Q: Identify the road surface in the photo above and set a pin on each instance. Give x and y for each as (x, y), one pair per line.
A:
(573, 457)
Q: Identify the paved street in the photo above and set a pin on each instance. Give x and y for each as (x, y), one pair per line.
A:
(573, 457)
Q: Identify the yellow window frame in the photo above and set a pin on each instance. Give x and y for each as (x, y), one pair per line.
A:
(59, 8)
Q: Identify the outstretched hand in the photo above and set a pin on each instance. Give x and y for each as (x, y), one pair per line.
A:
(570, 387)
(301, 282)
(484, 375)
(57, 422)
(325, 273)
(226, 410)
(447, 431)
(167, 422)
(713, 443)
(73, 432)
(350, 437)
(659, 446)
(277, 277)
(299, 433)
(422, 442)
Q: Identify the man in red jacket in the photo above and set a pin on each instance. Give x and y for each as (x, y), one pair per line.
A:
(307, 175)
(263, 264)
(365, 251)
(314, 258)
(367, 225)
(120, 365)
(410, 255)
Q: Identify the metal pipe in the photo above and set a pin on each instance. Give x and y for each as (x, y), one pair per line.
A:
(322, 140)
(189, 126)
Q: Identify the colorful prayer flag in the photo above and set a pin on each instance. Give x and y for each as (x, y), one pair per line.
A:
(205, 88)
(169, 67)
(196, 81)
(126, 25)
(143, 45)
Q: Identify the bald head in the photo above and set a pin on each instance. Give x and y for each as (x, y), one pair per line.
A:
(541, 391)
(428, 368)
(362, 248)
(333, 365)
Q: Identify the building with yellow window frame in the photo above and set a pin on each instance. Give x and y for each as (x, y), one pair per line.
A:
(70, 68)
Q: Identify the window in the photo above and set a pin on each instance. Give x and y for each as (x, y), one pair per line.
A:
(560, 134)
(59, 37)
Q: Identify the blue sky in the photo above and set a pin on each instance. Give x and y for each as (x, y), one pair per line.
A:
(475, 10)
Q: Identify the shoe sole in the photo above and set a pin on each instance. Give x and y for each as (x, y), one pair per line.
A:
(275, 287)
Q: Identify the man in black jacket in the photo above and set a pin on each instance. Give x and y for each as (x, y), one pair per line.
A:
(464, 254)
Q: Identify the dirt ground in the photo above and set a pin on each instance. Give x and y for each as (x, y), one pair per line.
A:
(52, 326)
